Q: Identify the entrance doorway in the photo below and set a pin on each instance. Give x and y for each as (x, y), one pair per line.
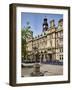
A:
(50, 57)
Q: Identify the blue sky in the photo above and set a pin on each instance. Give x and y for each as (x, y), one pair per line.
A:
(36, 20)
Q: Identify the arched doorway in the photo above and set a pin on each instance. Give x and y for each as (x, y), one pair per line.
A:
(50, 57)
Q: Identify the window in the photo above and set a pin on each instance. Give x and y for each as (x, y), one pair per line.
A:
(50, 42)
(61, 57)
(57, 43)
(61, 50)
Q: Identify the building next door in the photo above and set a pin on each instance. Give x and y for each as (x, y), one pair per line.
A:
(50, 57)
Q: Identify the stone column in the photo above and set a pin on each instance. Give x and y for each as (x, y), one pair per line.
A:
(44, 58)
(40, 58)
(36, 67)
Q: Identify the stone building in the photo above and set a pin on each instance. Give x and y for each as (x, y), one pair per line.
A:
(49, 42)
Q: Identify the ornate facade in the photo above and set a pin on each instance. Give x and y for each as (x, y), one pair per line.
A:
(49, 43)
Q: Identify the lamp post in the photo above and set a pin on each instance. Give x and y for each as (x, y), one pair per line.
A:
(36, 67)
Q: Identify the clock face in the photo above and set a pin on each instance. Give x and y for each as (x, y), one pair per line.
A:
(44, 26)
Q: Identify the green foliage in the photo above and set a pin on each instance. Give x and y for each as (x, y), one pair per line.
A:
(25, 33)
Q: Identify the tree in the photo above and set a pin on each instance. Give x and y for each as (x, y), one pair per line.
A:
(25, 33)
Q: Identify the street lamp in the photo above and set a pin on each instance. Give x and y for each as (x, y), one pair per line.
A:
(36, 67)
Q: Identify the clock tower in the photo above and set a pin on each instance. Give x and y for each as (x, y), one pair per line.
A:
(45, 25)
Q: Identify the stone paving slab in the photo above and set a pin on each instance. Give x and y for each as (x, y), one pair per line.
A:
(47, 69)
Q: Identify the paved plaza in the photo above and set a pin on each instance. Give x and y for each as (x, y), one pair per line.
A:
(47, 69)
